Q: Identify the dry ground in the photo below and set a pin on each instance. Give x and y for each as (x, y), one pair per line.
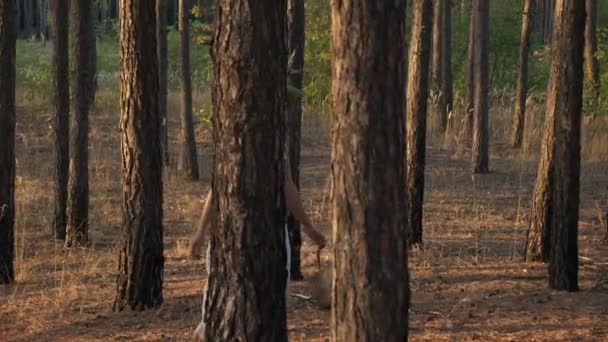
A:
(468, 282)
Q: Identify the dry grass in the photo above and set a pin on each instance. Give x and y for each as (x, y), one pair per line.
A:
(468, 281)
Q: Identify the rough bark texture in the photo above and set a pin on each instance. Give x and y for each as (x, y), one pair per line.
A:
(188, 161)
(592, 66)
(8, 36)
(517, 133)
(446, 63)
(78, 184)
(370, 291)
(438, 98)
(245, 298)
(417, 96)
(295, 47)
(161, 37)
(61, 127)
(140, 277)
(565, 100)
(480, 151)
(467, 123)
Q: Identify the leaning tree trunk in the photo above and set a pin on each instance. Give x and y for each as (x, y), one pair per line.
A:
(245, 299)
(565, 101)
(140, 267)
(370, 277)
(161, 38)
(592, 66)
(446, 63)
(417, 96)
(8, 36)
(467, 123)
(480, 149)
(188, 162)
(78, 184)
(61, 127)
(295, 47)
(438, 99)
(517, 133)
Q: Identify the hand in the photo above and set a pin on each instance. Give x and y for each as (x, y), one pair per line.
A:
(196, 247)
(316, 237)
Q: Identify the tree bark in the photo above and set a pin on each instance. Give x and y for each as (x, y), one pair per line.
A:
(245, 299)
(438, 96)
(370, 285)
(446, 63)
(8, 36)
(140, 277)
(295, 47)
(466, 129)
(565, 100)
(517, 133)
(417, 96)
(61, 127)
(480, 149)
(78, 183)
(162, 53)
(188, 161)
(592, 66)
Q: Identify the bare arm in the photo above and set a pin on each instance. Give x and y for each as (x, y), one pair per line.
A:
(201, 231)
(294, 205)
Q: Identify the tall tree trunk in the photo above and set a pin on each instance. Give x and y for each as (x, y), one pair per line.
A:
(78, 184)
(370, 285)
(61, 128)
(42, 13)
(548, 14)
(27, 18)
(161, 38)
(188, 162)
(417, 96)
(565, 100)
(480, 151)
(519, 118)
(466, 129)
(295, 47)
(8, 36)
(446, 63)
(140, 266)
(438, 96)
(592, 66)
(245, 299)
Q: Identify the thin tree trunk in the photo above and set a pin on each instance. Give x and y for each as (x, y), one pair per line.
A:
(140, 277)
(8, 36)
(295, 47)
(188, 161)
(466, 129)
(480, 151)
(27, 18)
(161, 37)
(438, 96)
(370, 278)
(446, 63)
(61, 128)
(517, 133)
(78, 184)
(417, 96)
(245, 299)
(592, 66)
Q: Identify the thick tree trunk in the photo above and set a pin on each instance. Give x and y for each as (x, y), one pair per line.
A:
(8, 36)
(438, 96)
(245, 299)
(565, 100)
(446, 63)
(466, 129)
(140, 277)
(295, 47)
(188, 162)
(592, 66)
(417, 96)
(370, 286)
(61, 127)
(161, 38)
(78, 184)
(517, 133)
(480, 150)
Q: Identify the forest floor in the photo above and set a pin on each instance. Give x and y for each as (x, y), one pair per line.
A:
(468, 282)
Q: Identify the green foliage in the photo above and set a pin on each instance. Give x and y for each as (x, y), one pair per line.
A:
(317, 56)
